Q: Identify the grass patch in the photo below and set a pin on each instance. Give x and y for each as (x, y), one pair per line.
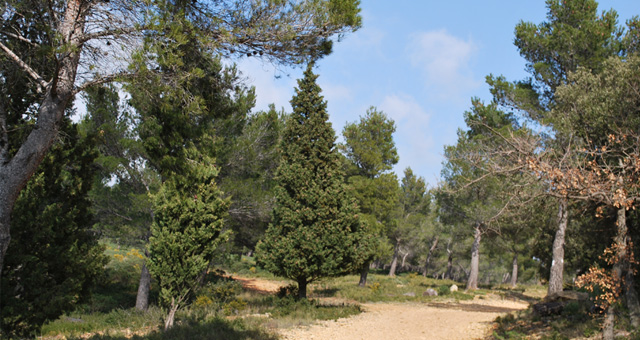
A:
(528, 293)
(406, 287)
(224, 309)
(243, 266)
(216, 328)
(221, 309)
(287, 311)
(123, 321)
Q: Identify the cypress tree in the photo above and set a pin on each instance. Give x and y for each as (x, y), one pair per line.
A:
(315, 231)
(187, 229)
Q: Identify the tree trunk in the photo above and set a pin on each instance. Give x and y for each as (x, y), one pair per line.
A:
(142, 299)
(168, 323)
(363, 274)
(557, 264)
(631, 296)
(394, 262)
(514, 271)
(5, 221)
(607, 325)
(16, 171)
(472, 281)
(404, 258)
(621, 258)
(144, 286)
(302, 289)
(434, 244)
(449, 264)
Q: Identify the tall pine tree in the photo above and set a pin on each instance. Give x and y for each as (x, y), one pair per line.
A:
(315, 231)
(371, 154)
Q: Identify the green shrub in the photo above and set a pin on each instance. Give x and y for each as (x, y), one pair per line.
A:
(571, 308)
(288, 290)
(443, 290)
(375, 287)
(220, 295)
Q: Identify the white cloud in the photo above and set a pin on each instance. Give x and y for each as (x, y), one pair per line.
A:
(413, 140)
(272, 86)
(404, 109)
(445, 61)
(332, 92)
(367, 37)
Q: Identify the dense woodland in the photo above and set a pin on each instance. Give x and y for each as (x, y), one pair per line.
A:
(541, 187)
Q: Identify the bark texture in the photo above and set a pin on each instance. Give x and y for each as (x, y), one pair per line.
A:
(364, 272)
(142, 299)
(514, 271)
(620, 241)
(434, 244)
(16, 171)
(472, 281)
(394, 262)
(302, 289)
(168, 323)
(631, 295)
(449, 272)
(556, 279)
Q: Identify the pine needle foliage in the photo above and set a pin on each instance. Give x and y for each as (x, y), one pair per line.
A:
(315, 231)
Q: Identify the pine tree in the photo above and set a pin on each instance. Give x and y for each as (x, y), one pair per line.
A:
(371, 154)
(315, 231)
(186, 231)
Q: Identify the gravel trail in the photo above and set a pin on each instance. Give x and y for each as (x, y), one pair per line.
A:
(391, 321)
(403, 321)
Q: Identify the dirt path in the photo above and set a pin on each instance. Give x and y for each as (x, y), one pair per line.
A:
(391, 321)
(404, 321)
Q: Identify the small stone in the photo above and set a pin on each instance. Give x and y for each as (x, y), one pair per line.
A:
(409, 294)
(430, 292)
(453, 288)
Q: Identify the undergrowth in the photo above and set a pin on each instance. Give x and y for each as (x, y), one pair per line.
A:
(223, 309)
(382, 288)
(575, 322)
(220, 309)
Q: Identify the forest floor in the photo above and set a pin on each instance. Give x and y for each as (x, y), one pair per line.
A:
(471, 319)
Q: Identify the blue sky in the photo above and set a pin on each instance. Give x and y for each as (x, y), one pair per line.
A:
(420, 62)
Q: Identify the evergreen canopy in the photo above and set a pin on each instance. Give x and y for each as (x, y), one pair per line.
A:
(315, 231)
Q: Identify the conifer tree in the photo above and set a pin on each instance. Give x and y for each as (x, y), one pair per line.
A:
(315, 231)
(371, 154)
(54, 259)
(187, 229)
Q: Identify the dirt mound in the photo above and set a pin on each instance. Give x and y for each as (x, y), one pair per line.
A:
(261, 286)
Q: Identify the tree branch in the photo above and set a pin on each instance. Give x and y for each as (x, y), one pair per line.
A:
(103, 80)
(110, 33)
(19, 37)
(32, 73)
